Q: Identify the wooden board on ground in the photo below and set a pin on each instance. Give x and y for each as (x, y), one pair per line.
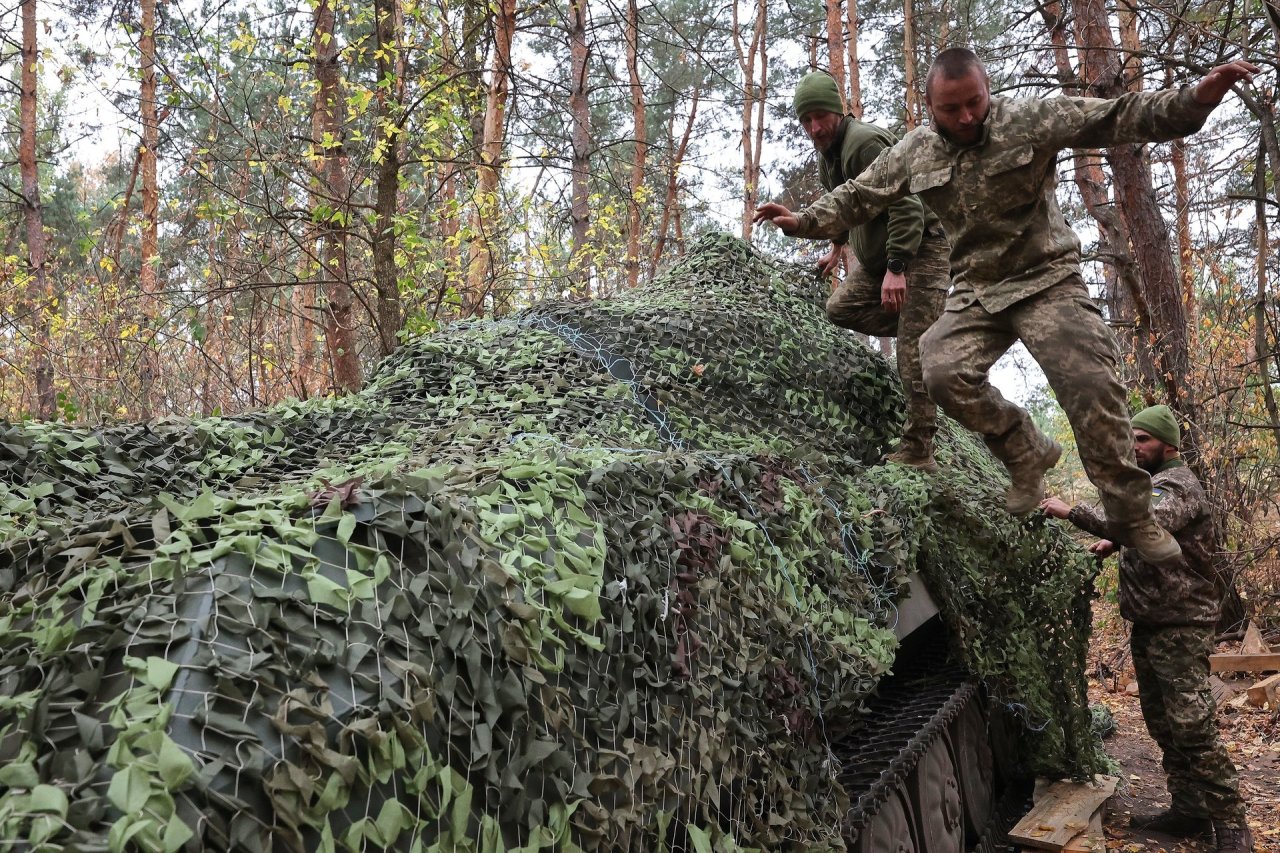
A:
(1222, 692)
(1092, 840)
(1266, 692)
(1244, 663)
(1253, 643)
(1062, 813)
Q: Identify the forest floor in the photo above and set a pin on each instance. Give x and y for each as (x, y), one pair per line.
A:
(1252, 737)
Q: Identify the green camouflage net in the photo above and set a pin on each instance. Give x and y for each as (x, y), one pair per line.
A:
(605, 575)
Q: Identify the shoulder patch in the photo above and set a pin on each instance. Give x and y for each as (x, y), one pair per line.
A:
(1157, 494)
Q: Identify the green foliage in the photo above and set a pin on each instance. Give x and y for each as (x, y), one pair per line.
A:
(602, 575)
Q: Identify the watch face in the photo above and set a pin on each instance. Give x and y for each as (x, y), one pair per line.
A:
(897, 266)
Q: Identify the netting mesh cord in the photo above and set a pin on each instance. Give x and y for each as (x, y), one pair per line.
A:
(611, 575)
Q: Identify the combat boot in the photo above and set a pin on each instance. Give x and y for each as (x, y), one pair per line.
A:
(1153, 543)
(1232, 837)
(1173, 822)
(915, 452)
(1027, 475)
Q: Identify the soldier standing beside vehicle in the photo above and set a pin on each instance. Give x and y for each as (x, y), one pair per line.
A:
(988, 168)
(1174, 608)
(899, 283)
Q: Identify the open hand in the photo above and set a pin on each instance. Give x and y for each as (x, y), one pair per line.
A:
(1218, 82)
(777, 214)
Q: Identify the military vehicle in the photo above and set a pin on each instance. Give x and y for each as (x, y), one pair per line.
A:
(623, 574)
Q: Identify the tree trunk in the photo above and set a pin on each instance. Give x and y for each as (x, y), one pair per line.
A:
(1186, 252)
(148, 362)
(1165, 323)
(330, 203)
(675, 159)
(39, 288)
(391, 79)
(753, 102)
(835, 45)
(855, 76)
(912, 114)
(485, 212)
(580, 272)
(1120, 275)
(1260, 342)
(641, 132)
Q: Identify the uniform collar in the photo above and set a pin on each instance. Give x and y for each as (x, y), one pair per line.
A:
(1170, 464)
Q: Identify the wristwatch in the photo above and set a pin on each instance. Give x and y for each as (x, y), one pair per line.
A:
(897, 266)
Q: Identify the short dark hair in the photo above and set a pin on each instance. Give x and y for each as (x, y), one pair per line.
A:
(953, 63)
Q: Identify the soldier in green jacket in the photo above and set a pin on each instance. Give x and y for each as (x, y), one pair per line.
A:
(987, 166)
(1174, 608)
(899, 283)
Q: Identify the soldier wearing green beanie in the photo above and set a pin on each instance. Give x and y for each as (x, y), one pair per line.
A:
(1174, 607)
(896, 281)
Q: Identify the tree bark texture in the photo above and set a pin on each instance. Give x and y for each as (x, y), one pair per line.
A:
(1165, 322)
(641, 132)
(484, 212)
(912, 101)
(391, 77)
(581, 265)
(753, 103)
(855, 78)
(1120, 275)
(671, 200)
(331, 192)
(39, 296)
(148, 260)
(835, 46)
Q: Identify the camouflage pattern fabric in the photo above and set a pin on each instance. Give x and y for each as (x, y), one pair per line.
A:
(1188, 592)
(996, 199)
(1172, 666)
(599, 576)
(1010, 242)
(1063, 330)
(856, 305)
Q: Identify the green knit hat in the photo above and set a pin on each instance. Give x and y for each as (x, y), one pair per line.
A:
(1160, 422)
(817, 91)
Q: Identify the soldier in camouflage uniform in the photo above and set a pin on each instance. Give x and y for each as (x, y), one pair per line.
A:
(988, 168)
(1174, 608)
(899, 280)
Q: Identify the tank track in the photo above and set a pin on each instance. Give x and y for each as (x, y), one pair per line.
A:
(911, 711)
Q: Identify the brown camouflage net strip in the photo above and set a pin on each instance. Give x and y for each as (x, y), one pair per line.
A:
(600, 576)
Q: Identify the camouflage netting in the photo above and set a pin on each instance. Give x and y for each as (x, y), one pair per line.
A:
(606, 575)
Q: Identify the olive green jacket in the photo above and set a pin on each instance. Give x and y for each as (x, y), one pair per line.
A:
(996, 198)
(895, 232)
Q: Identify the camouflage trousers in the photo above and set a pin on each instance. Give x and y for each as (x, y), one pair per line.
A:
(855, 304)
(1172, 665)
(1065, 333)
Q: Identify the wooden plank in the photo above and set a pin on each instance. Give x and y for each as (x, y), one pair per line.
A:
(1092, 840)
(1245, 663)
(1222, 692)
(1253, 643)
(1266, 692)
(1062, 813)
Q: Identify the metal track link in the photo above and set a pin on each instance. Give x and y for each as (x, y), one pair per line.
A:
(912, 710)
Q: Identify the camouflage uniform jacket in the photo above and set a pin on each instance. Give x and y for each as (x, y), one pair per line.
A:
(1188, 593)
(896, 232)
(996, 197)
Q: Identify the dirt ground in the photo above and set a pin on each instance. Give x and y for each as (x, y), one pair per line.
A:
(1252, 737)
